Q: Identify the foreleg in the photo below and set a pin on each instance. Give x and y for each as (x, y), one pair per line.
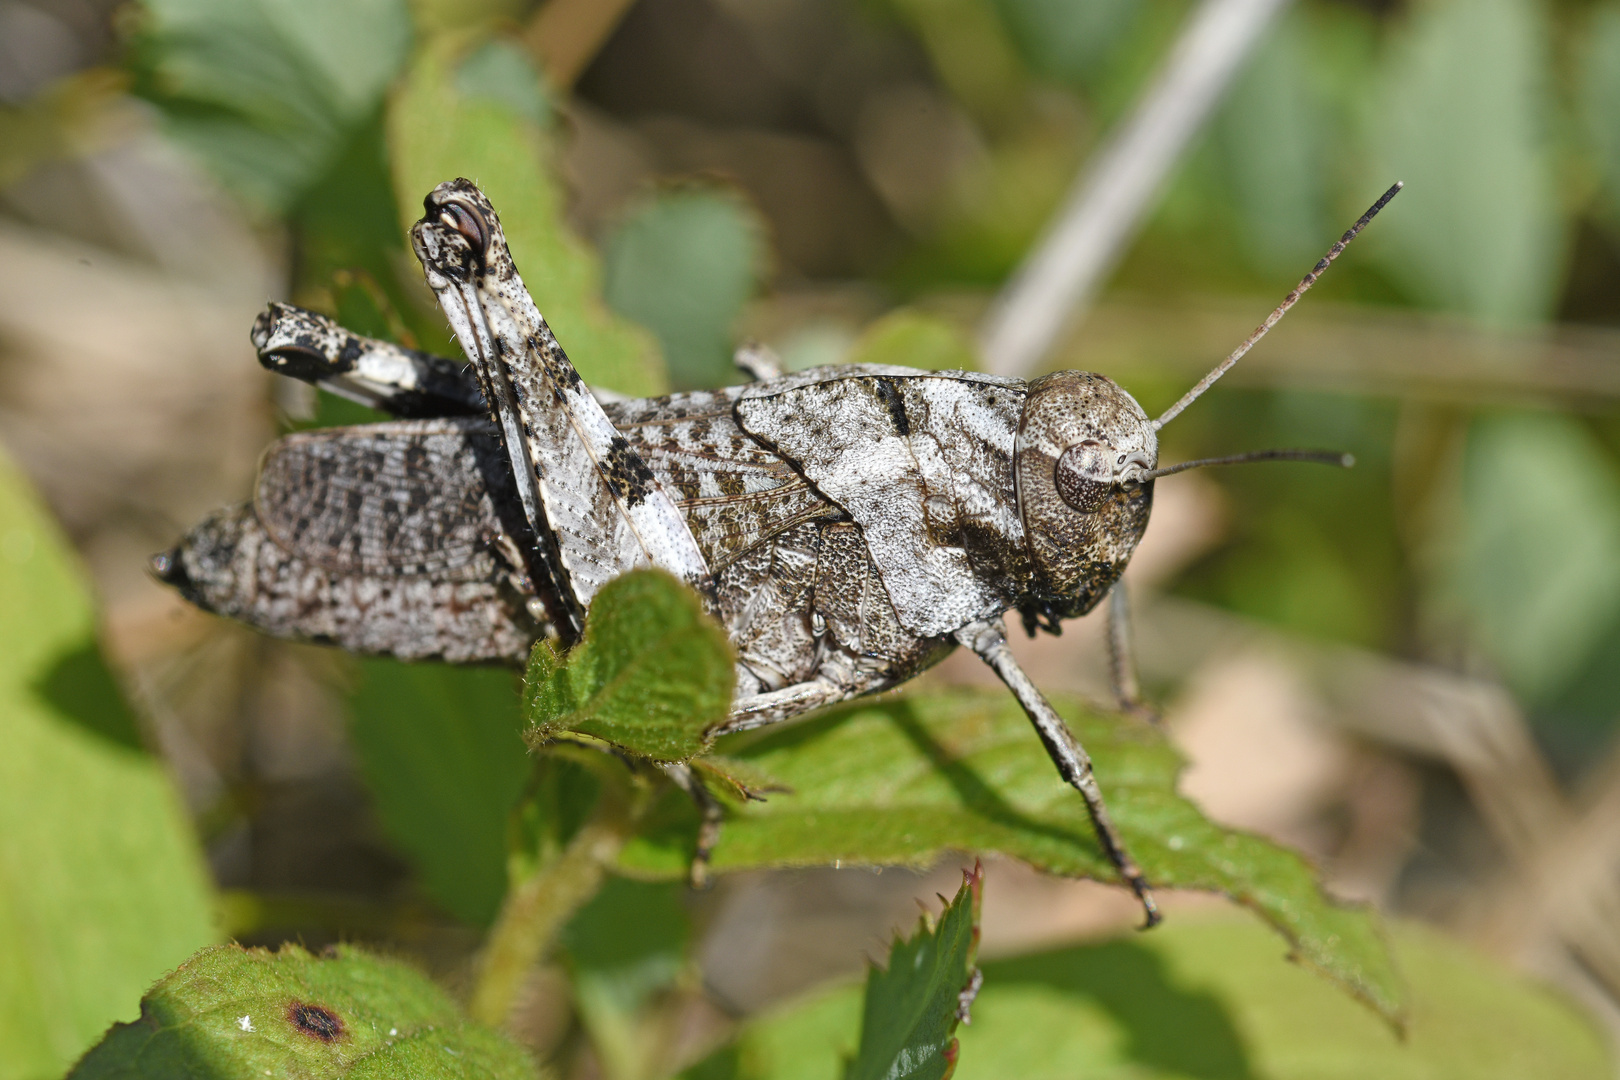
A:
(988, 640)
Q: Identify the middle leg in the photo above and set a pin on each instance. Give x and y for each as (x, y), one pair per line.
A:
(1122, 658)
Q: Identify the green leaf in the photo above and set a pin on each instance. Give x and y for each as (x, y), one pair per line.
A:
(231, 1012)
(442, 750)
(269, 91)
(912, 1008)
(812, 1038)
(915, 339)
(503, 71)
(903, 783)
(102, 887)
(1067, 40)
(437, 133)
(683, 265)
(653, 673)
(1600, 99)
(1534, 555)
(1464, 120)
(1272, 134)
(626, 945)
(1208, 998)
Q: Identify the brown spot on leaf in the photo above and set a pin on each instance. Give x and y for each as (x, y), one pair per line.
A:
(316, 1021)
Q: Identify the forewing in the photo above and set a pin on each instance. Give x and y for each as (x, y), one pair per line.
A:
(395, 538)
(230, 565)
(734, 492)
(922, 462)
(406, 497)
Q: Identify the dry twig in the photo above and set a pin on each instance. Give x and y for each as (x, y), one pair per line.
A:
(1119, 185)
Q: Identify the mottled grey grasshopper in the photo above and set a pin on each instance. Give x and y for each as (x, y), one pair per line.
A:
(848, 525)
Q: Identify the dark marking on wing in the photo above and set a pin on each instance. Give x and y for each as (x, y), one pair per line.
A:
(889, 394)
(627, 473)
(556, 361)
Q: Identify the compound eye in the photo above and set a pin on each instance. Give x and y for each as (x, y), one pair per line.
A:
(1084, 479)
(468, 222)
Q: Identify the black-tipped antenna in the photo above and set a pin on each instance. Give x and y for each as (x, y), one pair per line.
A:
(1282, 309)
(1321, 457)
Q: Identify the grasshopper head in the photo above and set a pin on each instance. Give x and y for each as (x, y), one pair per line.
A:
(1087, 456)
(1084, 453)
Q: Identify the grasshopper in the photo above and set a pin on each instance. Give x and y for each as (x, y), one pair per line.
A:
(848, 525)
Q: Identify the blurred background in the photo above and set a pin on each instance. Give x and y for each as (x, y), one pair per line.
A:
(1410, 670)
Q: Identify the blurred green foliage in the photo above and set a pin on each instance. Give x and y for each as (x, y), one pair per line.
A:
(1599, 100)
(652, 673)
(1465, 116)
(1269, 140)
(903, 783)
(627, 945)
(102, 885)
(1315, 551)
(912, 339)
(1539, 542)
(1066, 41)
(441, 749)
(269, 93)
(1208, 1000)
(683, 264)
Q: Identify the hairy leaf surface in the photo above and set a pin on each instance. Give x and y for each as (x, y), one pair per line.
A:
(230, 1012)
(904, 782)
(1206, 998)
(913, 1006)
(651, 675)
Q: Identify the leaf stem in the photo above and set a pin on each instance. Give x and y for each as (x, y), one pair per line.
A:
(534, 911)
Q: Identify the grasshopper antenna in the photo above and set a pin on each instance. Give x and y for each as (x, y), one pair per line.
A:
(1282, 309)
(1321, 457)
